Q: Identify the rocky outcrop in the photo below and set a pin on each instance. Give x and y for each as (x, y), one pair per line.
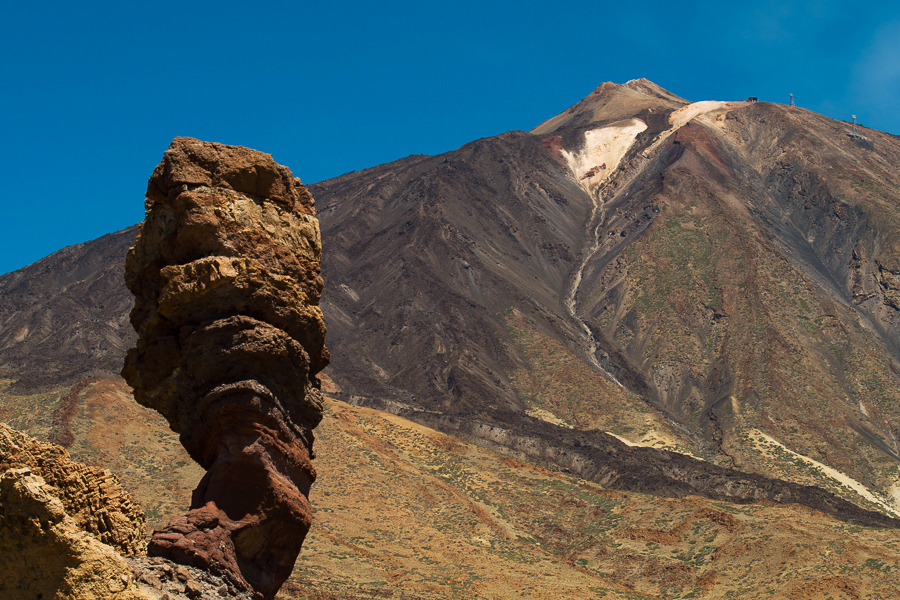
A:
(161, 579)
(50, 535)
(92, 497)
(46, 554)
(63, 525)
(225, 274)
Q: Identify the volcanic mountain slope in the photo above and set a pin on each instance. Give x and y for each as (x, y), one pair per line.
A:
(724, 270)
(716, 278)
(762, 301)
(431, 257)
(65, 317)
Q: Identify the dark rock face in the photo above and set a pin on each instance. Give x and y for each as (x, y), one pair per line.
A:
(65, 317)
(599, 457)
(225, 274)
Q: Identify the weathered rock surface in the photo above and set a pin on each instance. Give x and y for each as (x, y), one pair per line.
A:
(225, 274)
(45, 554)
(160, 579)
(50, 549)
(62, 525)
(92, 497)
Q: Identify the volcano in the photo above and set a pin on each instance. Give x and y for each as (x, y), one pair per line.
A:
(658, 295)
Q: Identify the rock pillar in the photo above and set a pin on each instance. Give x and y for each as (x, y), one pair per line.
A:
(225, 274)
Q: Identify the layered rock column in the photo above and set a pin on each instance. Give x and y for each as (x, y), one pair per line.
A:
(225, 274)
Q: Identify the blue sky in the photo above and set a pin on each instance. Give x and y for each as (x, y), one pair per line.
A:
(93, 92)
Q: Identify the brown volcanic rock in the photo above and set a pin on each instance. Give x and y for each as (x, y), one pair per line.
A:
(64, 527)
(225, 274)
(91, 496)
(230, 167)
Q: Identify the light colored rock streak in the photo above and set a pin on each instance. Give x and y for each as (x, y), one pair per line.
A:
(894, 494)
(600, 156)
(656, 438)
(546, 415)
(593, 164)
(686, 114)
(761, 440)
(602, 152)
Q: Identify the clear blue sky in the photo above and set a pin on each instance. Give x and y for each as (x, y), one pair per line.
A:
(92, 93)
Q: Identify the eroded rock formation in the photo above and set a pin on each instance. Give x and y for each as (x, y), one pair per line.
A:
(63, 525)
(225, 274)
(91, 496)
(46, 554)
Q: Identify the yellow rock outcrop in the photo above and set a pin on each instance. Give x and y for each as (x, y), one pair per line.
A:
(45, 554)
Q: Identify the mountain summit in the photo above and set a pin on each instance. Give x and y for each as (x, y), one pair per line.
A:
(611, 102)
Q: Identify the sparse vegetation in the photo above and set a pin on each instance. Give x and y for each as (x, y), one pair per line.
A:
(470, 524)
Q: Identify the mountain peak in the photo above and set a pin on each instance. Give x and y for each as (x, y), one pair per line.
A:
(611, 102)
(649, 88)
